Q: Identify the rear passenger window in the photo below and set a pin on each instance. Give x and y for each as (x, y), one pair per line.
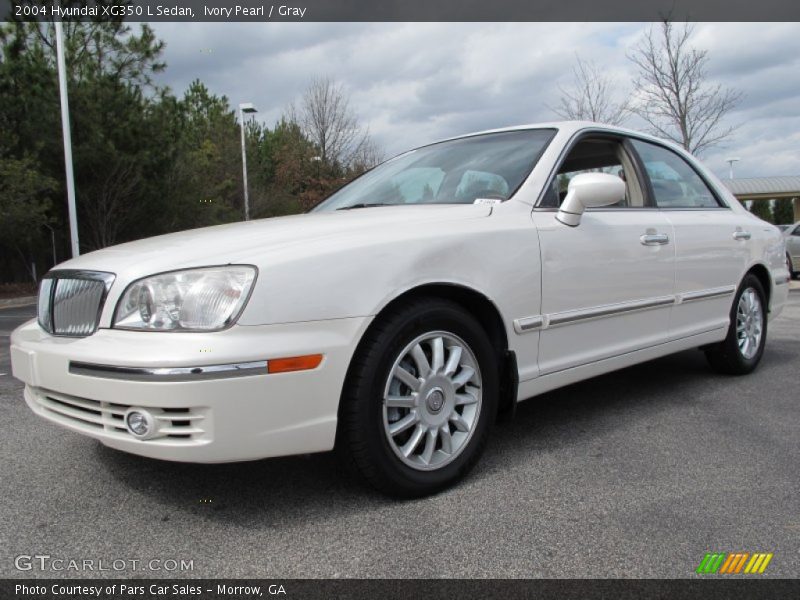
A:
(675, 183)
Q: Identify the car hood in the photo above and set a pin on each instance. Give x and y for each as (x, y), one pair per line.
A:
(243, 242)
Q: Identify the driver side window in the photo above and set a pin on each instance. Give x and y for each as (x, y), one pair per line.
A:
(596, 155)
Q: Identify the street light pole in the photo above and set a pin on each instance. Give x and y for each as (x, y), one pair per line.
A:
(62, 86)
(245, 108)
(730, 162)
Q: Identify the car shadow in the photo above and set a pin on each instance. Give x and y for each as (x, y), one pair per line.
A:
(276, 492)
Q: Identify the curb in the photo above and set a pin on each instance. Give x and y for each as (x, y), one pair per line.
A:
(14, 302)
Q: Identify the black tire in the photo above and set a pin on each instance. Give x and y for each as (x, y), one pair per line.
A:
(361, 438)
(726, 357)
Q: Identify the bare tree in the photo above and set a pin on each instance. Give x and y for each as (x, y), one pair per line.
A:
(591, 97)
(329, 122)
(110, 211)
(369, 154)
(673, 92)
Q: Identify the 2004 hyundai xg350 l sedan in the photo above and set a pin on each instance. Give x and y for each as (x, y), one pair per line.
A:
(398, 317)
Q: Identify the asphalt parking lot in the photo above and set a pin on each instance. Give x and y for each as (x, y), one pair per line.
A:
(638, 473)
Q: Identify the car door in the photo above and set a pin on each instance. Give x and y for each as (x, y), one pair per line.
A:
(711, 241)
(607, 283)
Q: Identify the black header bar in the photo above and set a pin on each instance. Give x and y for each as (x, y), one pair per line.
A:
(402, 10)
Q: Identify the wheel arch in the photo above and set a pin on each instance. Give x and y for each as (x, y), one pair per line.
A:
(761, 273)
(488, 315)
(491, 319)
(477, 303)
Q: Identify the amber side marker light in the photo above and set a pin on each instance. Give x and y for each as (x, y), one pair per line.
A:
(294, 363)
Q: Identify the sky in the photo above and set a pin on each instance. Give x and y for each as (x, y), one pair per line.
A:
(414, 83)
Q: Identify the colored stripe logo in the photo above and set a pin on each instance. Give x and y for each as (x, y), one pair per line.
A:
(733, 563)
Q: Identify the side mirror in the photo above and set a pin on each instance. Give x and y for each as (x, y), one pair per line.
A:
(589, 190)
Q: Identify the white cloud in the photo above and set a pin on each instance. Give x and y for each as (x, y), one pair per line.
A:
(417, 82)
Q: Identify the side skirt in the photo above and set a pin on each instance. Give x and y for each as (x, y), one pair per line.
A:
(533, 387)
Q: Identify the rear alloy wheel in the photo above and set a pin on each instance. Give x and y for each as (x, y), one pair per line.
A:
(749, 323)
(743, 347)
(420, 398)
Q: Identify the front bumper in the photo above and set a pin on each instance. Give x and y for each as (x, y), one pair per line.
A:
(210, 419)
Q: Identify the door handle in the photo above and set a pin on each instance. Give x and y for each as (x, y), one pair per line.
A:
(654, 239)
(741, 235)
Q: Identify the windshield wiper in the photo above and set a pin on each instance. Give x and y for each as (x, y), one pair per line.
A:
(363, 205)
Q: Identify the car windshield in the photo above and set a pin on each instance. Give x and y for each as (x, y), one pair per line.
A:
(482, 167)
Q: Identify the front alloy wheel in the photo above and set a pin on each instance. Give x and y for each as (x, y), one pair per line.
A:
(420, 398)
(432, 400)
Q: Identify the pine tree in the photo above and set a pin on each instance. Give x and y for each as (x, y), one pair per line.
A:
(783, 211)
(762, 209)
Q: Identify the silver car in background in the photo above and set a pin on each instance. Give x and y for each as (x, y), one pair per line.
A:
(792, 235)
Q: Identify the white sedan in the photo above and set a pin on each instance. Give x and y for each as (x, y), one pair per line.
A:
(396, 319)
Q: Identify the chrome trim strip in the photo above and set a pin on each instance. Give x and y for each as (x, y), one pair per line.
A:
(104, 276)
(159, 374)
(573, 316)
(547, 321)
(782, 280)
(706, 294)
(526, 324)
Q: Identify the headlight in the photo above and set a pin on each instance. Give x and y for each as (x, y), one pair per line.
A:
(206, 299)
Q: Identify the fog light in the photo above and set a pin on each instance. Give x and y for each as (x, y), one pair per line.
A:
(140, 423)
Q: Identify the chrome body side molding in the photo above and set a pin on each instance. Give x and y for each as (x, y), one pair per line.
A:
(528, 324)
(706, 294)
(548, 321)
(573, 316)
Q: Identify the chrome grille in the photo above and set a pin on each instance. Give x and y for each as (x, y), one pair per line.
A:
(70, 302)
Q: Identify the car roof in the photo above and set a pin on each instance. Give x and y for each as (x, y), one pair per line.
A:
(572, 127)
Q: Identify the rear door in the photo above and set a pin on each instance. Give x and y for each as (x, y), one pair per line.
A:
(711, 241)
